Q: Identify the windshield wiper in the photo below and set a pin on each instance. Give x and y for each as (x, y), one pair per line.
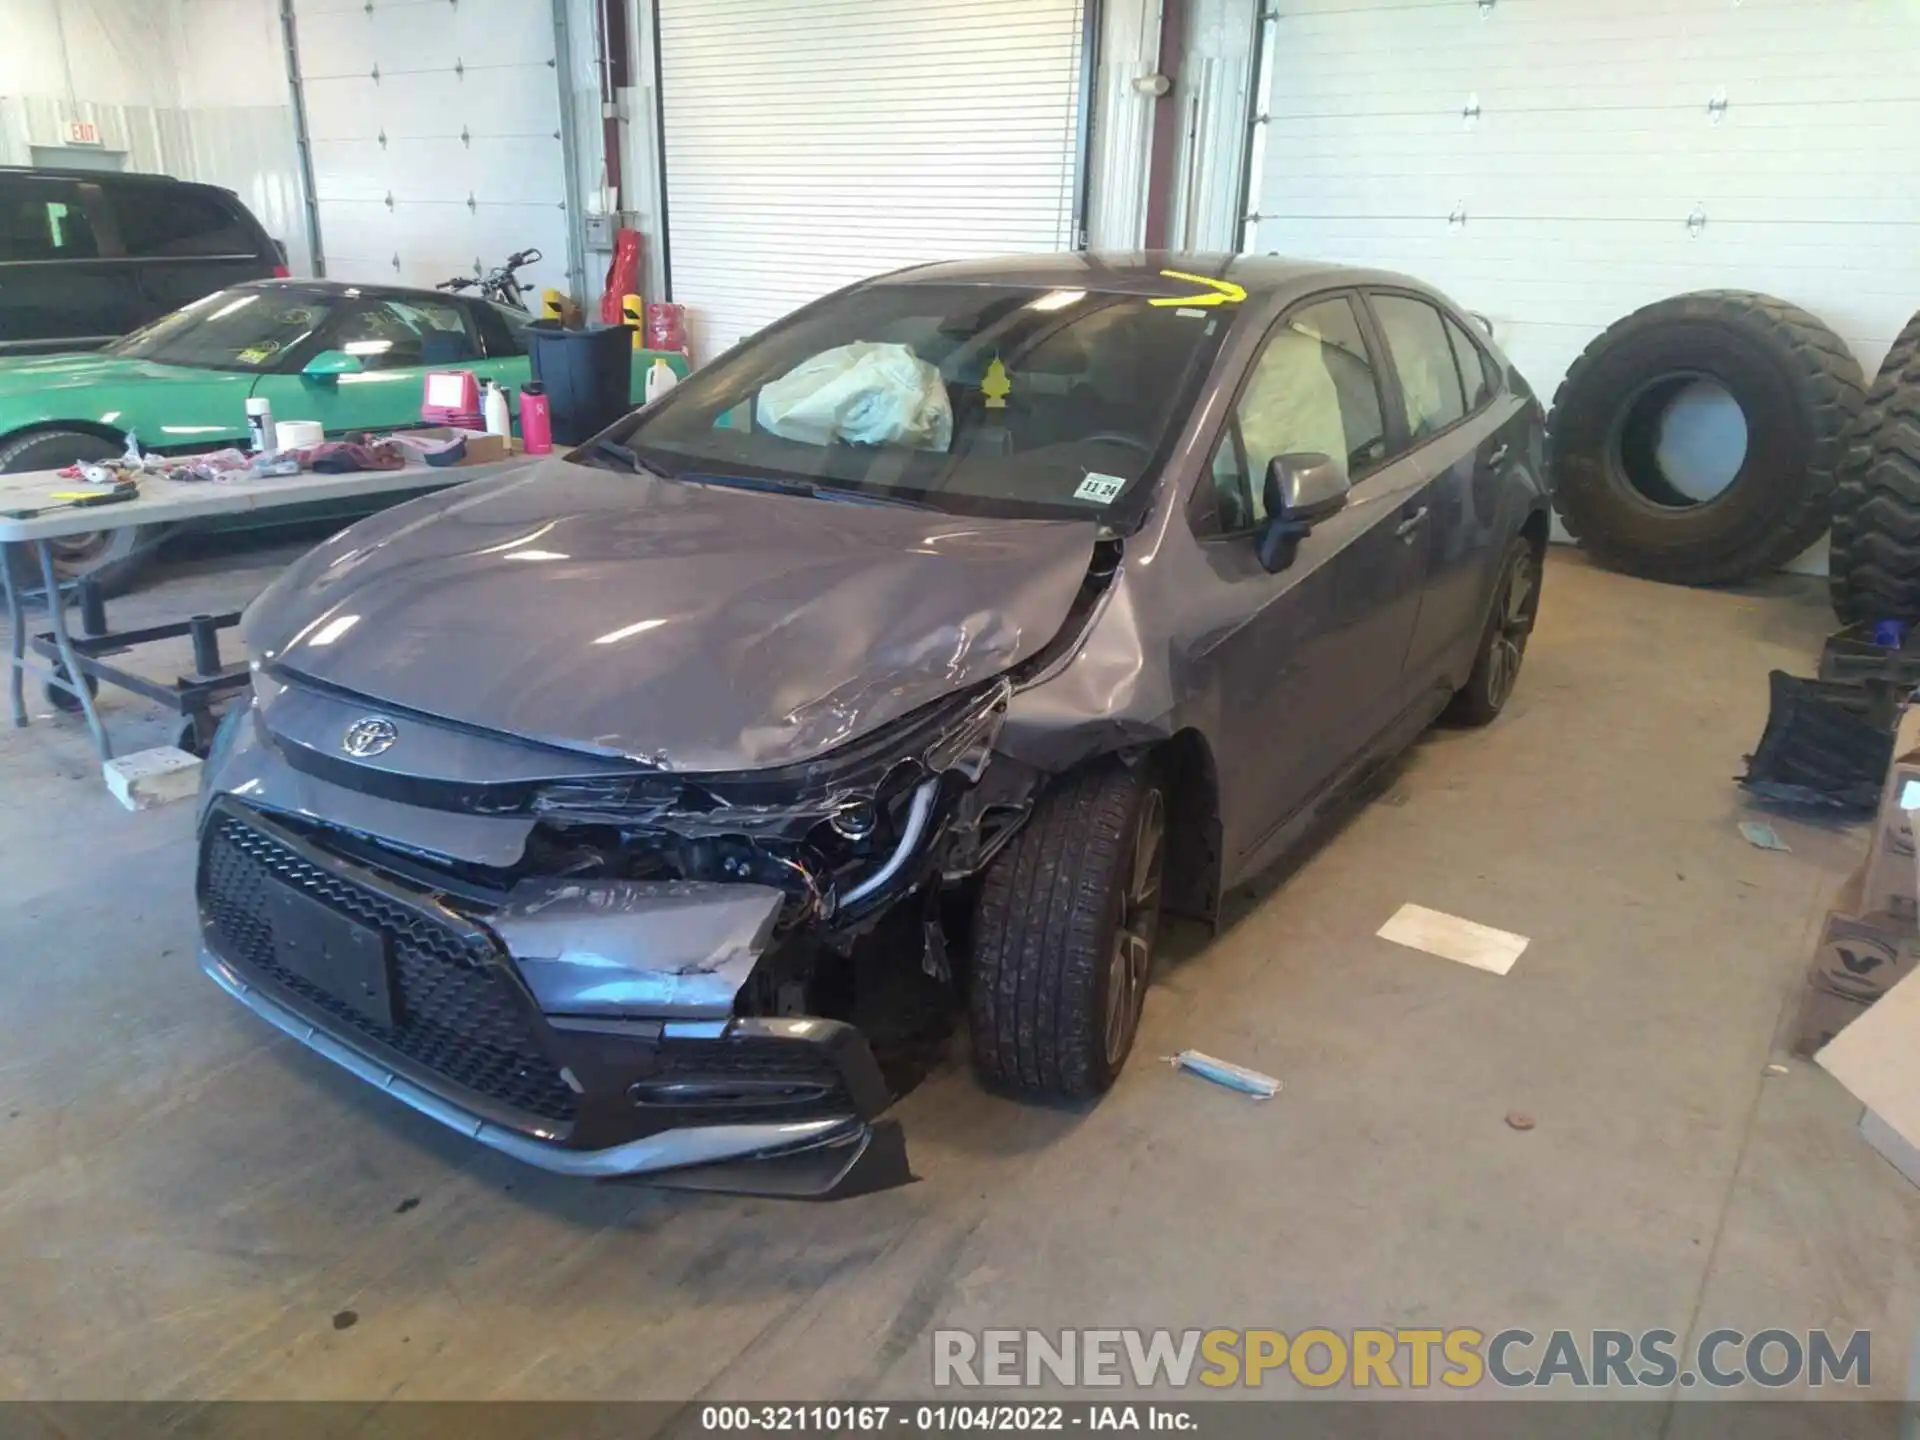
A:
(614, 450)
(869, 497)
(805, 489)
(766, 484)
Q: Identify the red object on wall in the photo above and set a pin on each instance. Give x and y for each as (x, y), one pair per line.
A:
(666, 326)
(623, 275)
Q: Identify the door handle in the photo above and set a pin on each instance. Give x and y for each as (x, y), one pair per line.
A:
(1412, 523)
(1499, 453)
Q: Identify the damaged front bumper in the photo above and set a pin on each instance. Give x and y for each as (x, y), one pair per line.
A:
(584, 1027)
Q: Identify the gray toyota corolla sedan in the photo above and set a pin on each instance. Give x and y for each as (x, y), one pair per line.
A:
(936, 639)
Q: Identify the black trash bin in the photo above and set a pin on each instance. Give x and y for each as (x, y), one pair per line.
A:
(588, 375)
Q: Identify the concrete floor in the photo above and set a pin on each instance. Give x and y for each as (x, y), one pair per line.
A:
(187, 1202)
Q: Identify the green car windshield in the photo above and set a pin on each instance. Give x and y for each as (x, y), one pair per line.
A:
(976, 399)
(230, 330)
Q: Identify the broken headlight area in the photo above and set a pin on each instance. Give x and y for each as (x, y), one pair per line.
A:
(839, 836)
(842, 838)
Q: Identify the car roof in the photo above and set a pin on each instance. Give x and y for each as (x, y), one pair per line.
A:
(354, 288)
(105, 177)
(1144, 272)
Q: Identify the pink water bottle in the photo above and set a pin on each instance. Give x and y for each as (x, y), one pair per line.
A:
(536, 420)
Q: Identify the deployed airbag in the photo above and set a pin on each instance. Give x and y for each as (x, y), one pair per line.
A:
(866, 393)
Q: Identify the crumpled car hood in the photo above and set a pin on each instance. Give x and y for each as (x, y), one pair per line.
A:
(688, 626)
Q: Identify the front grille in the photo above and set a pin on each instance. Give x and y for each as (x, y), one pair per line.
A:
(455, 1014)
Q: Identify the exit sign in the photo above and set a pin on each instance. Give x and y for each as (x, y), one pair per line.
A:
(82, 132)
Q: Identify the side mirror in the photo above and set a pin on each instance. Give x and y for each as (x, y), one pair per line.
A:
(331, 365)
(1299, 491)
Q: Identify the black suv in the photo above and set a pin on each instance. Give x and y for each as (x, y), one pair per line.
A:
(86, 256)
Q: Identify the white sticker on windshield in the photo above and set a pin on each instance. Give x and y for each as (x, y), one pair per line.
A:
(1099, 488)
(1191, 314)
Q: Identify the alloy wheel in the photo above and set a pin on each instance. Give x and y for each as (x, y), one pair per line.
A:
(1512, 624)
(1131, 964)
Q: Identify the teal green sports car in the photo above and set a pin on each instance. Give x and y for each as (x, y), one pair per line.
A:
(353, 357)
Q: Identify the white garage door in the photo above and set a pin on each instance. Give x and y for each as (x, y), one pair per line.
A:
(436, 137)
(810, 143)
(1557, 163)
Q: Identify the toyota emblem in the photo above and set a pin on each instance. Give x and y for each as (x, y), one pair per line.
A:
(369, 737)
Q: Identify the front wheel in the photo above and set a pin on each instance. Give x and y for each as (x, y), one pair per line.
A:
(1064, 931)
(1503, 645)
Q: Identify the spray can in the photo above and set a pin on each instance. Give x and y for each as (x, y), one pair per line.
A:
(660, 379)
(536, 419)
(259, 424)
(494, 409)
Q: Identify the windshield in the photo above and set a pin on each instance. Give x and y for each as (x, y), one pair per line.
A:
(978, 399)
(230, 330)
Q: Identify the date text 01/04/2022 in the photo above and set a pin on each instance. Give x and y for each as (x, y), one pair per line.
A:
(977, 1419)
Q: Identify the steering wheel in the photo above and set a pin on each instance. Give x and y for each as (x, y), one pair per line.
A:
(1115, 437)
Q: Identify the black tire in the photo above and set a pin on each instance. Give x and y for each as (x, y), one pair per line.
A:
(1798, 388)
(1503, 643)
(63, 699)
(111, 557)
(1873, 564)
(187, 738)
(1053, 909)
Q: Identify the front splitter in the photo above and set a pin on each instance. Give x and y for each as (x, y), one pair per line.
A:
(830, 1158)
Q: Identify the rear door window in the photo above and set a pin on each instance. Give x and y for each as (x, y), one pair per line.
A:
(1423, 357)
(157, 221)
(44, 222)
(1475, 373)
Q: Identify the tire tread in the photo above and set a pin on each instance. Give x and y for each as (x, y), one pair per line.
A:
(1827, 379)
(1041, 928)
(1873, 564)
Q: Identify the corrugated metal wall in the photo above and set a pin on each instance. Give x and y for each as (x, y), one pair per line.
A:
(812, 144)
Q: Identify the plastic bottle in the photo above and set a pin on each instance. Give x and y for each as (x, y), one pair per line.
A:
(536, 419)
(494, 407)
(660, 379)
(259, 424)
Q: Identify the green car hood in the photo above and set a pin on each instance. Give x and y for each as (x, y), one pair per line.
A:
(168, 406)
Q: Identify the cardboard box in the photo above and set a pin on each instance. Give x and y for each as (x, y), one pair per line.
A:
(482, 449)
(1823, 1015)
(1893, 832)
(1877, 1057)
(1888, 885)
(1859, 958)
(1864, 956)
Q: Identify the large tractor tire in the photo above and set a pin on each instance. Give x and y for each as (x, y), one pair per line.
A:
(1873, 567)
(1798, 390)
